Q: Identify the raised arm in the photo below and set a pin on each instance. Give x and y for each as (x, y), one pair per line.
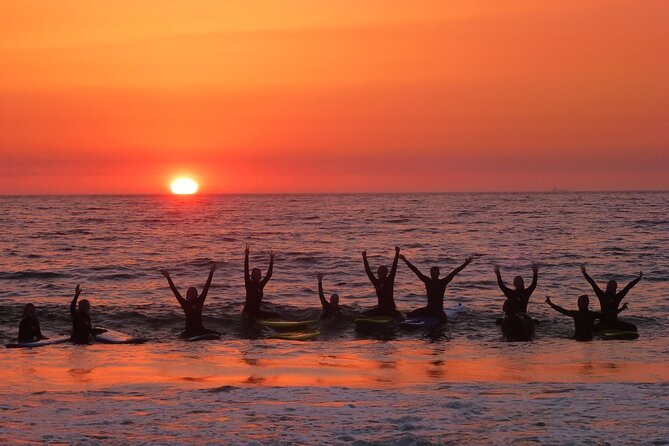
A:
(415, 270)
(598, 291)
(393, 269)
(205, 290)
(321, 295)
(457, 270)
(173, 287)
(500, 282)
(368, 270)
(246, 264)
(73, 305)
(621, 295)
(535, 277)
(559, 308)
(270, 270)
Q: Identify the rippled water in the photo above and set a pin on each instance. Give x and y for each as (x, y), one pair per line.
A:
(455, 385)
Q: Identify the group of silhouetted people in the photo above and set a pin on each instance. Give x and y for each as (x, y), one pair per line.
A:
(517, 325)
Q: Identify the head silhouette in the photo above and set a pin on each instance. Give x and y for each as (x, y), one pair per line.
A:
(334, 300)
(29, 311)
(84, 306)
(583, 302)
(191, 294)
(611, 287)
(382, 272)
(256, 275)
(434, 272)
(519, 283)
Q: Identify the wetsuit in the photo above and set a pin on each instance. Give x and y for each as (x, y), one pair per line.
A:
(329, 310)
(384, 291)
(520, 297)
(583, 321)
(435, 289)
(82, 329)
(516, 325)
(254, 293)
(609, 306)
(29, 330)
(193, 310)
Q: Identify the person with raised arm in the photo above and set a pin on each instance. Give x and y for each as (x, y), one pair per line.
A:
(384, 283)
(255, 285)
(29, 329)
(435, 288)
(330, 309)
(609, 302)
(584, 319)
(519, 294)
(82, 328)
(192, 305)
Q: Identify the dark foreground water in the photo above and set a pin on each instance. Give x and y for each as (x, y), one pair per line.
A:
(459, 385)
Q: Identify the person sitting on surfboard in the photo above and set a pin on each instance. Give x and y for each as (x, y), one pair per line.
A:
(383, 284)
(435, 288)
(609, 301)
(584, 319)
(82, 328)
(192, 305)
(255, 285)
(29, 330)
(520, 295)
(330, 309)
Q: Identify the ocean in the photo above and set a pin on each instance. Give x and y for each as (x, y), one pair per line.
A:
(460, 385)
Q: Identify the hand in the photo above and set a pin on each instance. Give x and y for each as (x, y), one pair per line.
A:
(583, 271)
(165, 273)
(535, 268)
(319, 276)
(77, 290)
(468, 260)
(640, 274)
(364, 254)
(496, 269)
(271, 255)
(246, 251)
(214, 267)
(397, 249)
(548, 300)
(402, 258)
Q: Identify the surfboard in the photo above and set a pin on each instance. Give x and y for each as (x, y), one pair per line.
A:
(626, 335)
(280, 324)
(117, 337)
(373, 322)
(421, 322)
(301, 336)
(204, 337)
(42, 343)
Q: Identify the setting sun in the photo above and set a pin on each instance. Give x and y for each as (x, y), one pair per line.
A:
(184, 186)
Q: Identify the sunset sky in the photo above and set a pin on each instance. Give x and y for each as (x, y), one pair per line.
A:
(325, 96)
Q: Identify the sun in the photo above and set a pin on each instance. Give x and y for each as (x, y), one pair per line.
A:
(184, 186)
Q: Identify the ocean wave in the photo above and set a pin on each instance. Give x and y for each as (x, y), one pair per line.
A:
(36, 275)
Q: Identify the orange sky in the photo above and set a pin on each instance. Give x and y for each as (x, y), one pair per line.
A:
(299, 96)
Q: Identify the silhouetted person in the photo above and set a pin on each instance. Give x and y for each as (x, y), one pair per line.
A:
(82, 329)
(383, 284)
(520, 295)
(516, 325)
(330, 309)
(609, 301)
(435, 289)
(255, 285)
(584, 319)
(192, 305)
(29, 330)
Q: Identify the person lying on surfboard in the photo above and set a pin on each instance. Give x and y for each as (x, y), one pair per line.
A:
(82, 328)
(192, 305)
(435, 288)
(330, 309)
(255, 285)
(383, 284)
(609, 301)
(584, 319)
(519, 294)
(29, 330)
